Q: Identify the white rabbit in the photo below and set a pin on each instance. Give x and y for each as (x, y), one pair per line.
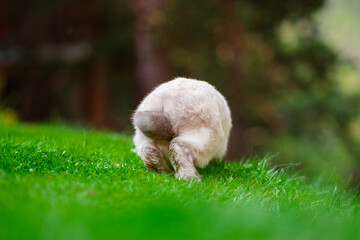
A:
(181, 124)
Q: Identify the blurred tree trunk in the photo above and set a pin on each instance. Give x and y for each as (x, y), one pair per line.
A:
(230, 40)
(2, 20)
(149, 67)
(94, 93)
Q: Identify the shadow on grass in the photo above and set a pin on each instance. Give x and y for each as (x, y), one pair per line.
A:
(221, 170)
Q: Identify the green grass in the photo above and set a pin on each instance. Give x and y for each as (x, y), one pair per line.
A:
(59, 183)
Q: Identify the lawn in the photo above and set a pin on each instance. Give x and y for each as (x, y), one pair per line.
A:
(63, 183)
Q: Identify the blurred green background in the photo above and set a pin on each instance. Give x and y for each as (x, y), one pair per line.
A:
(289, 69)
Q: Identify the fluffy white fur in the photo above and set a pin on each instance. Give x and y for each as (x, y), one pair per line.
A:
(182, 123)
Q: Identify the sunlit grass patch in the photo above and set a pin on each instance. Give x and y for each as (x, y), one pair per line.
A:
(57, 182)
